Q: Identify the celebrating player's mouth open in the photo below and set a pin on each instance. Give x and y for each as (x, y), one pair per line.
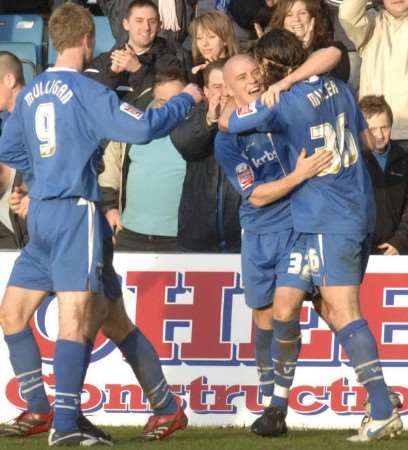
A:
(330, 220)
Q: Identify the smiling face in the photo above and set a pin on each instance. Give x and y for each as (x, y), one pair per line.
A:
(215, 85)
(143, 25)
(243, 79)
(297, 20)
(396, 7)
(210, 45)
(380, 126)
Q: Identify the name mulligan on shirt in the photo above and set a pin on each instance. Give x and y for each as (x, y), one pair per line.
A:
(51, 87)
(317, 97)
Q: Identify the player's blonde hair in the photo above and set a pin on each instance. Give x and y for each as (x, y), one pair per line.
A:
(68, 25)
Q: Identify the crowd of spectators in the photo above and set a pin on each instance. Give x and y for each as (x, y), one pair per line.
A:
(170, 195)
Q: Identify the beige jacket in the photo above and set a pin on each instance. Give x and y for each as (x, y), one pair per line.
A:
(382, 40)
(111, 177)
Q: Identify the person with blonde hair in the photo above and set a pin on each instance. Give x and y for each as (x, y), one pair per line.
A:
(53, 136)
(213, 38)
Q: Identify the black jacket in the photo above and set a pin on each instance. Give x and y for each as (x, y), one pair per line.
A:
(209, 206)
(391, 196)
(18, 237)
(115, 10)
(138, 85)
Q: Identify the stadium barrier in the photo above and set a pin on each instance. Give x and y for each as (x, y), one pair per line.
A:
(193, 310)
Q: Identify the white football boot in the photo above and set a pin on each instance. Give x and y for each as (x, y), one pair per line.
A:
(373, 430)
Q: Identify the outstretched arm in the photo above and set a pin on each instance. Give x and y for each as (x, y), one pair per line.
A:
(319, 62)
(122, 122)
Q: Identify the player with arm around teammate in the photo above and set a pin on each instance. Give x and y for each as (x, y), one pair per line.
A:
(334, 211)
(52, 136)
(257, 166)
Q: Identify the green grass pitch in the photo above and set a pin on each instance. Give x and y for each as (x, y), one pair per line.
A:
(226, 439)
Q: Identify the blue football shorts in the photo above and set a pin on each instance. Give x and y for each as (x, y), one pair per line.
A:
(337, 259)
(70, 249)
(272, 260)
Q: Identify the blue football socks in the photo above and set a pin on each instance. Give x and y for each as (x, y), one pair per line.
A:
(360, 345)
(285, 351)
(69, 367)
(263, 358)
(145, 363)
(26, 362)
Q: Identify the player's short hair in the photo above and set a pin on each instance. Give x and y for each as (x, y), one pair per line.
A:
(141, 4)
(215, 65)
(69, 24)
(169, 73)
(9, 63)
(282, 51)
(375, 104)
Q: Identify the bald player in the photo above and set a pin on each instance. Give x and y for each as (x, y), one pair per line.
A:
(272, 264)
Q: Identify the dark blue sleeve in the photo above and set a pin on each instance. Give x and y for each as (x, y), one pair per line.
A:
(12, 146)
(255, 117)
(361, 122)
(237, 168)
(122, 122)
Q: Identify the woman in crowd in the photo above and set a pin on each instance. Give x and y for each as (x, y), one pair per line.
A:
(213, 38)
(305, 19)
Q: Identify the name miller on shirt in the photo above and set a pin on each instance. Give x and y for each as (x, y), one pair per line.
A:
(51, 87)
(317, 97)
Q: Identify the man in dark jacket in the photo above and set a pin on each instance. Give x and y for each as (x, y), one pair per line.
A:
(131, 66)
(208, 212)
(388, 167)
(115, 10)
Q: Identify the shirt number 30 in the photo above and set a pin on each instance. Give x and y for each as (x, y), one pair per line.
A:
(339, 141)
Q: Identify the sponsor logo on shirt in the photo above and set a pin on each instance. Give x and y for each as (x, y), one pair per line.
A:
(132, 111)
(246, 110)
(267, 156)
(245, 175)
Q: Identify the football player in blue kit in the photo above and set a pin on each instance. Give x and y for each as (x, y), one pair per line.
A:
(334, 211)
(257, 166)
(53, 136)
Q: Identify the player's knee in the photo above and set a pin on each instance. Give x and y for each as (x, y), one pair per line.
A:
(11, 321)
(286, 312)
(263, 317)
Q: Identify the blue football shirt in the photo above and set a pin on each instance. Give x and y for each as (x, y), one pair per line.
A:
(58, 121)
(321, 114)
(248, 161)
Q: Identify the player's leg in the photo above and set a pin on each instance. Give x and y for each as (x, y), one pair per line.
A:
(75, 264)
(27, 287)
(338, 266)
(287, 341)
(141, 356)
(354, 335)
(16, 310)
(258, 259)
(79, 317)
(262, 318)
(292, 282)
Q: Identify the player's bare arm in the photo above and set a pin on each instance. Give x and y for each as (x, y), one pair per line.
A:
(319, 62)
(306, 167)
